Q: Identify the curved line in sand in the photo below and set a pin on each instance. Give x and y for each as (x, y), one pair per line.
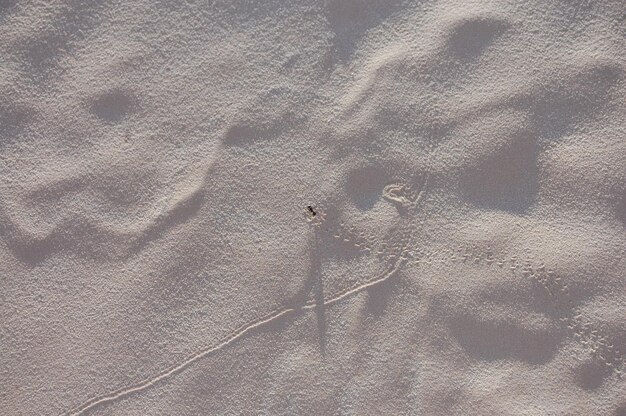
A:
(240, 332)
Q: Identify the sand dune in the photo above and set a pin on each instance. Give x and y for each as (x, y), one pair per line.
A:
(342, 207)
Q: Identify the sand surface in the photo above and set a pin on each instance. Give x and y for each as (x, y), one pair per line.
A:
(342, 207)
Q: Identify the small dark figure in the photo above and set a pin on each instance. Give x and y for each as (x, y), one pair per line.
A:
(311, 210)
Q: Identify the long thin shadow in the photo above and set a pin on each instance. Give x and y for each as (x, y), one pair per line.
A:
(234, 336)
(316, 277)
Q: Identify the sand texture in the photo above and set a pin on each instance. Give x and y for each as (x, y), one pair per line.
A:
(313, 207)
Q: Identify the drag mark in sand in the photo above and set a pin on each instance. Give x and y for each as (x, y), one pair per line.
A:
(240, 332)
(397, 254)
(399, 194)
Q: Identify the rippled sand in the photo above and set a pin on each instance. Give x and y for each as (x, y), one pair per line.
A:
(342, 207)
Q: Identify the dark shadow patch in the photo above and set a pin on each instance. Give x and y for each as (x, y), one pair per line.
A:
(85, 235)
(508, 181)
(73, 23)
(240, 134)
(591, 374)
(491, 341)
(351, 19)
(365, 185)
(12, 120)
(113, 106)
(265, 117)
(559, 107)
(317, 278)
(470, 37)
(5, 8)
(78, 236)
(177, 215)
(378, 297)
(86, 238)
(621, 210)
(33, 252)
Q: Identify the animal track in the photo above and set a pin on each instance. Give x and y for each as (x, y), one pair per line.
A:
(600, 346)
(238, 333)
(405, 197)
(401, 247)
(553, 285)
(435, 72)
(396, 254)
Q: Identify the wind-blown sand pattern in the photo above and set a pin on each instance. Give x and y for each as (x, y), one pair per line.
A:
(342, 207)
